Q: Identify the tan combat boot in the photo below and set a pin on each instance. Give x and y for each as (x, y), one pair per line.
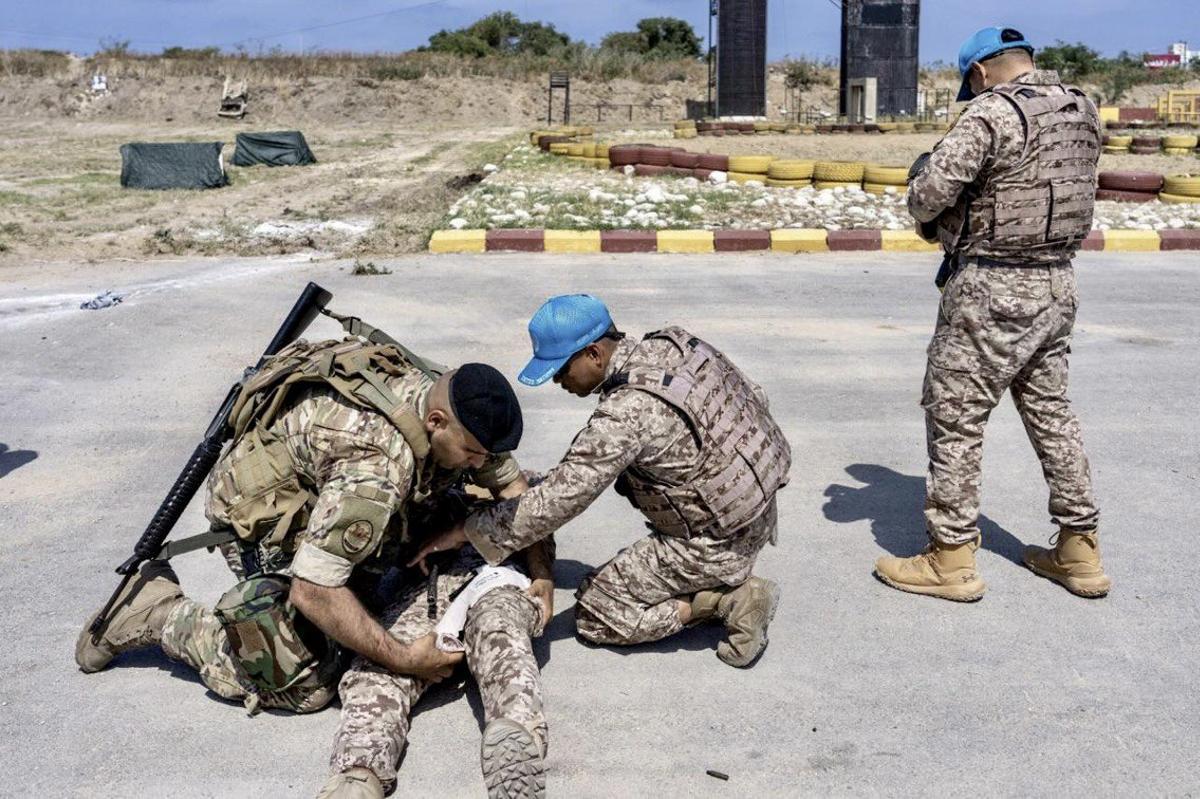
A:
(136, 619)
(353, 783)
(511, 760)
(942, 570)
(1074, 563)
(747, 611)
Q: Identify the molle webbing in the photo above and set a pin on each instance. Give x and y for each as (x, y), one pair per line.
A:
(744, 457)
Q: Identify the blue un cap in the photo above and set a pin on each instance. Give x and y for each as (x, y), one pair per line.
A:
(985, 44)
(562, 327)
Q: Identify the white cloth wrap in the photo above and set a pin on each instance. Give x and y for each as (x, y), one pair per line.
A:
(451, 625)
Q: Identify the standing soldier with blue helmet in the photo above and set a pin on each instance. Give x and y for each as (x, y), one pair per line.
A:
(1008, 193)
(690, 441)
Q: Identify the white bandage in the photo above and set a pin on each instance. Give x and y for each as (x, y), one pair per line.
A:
(451, 626)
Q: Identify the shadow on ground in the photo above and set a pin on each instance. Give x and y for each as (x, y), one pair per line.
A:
(13, 459)
(894, 502)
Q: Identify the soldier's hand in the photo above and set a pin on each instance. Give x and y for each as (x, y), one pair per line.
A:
(543, 591)
(453, 538)
(428, 662)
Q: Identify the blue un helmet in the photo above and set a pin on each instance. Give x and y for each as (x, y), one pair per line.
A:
(986, 43)
(562, 327)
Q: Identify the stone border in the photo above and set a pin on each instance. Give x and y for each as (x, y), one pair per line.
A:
(782, 240)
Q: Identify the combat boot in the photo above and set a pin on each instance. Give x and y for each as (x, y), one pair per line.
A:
(136, 619)
(747, 611)
(353, 783)
(1074, 563)
(942, 570)
(511, 759)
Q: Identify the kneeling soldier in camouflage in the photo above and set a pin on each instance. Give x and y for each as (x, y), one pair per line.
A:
(689, 440)
(339, 449)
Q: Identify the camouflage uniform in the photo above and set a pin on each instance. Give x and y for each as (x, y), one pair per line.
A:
(1002, 327)
(632, 598)
(377, 704)
(362, 481)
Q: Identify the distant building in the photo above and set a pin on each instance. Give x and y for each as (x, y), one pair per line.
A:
(1177, 55)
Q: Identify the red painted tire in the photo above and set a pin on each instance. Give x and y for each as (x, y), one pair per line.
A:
(1151, 182)
(713, 161)
(684, 159)
(702, 174)
(1126, 196)
(649, 170)
(1147, 141)
(678, 171)
(622, 154)
(655, 156)
(1145, 150)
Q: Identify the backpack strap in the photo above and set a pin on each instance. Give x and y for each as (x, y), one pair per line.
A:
(355, 326)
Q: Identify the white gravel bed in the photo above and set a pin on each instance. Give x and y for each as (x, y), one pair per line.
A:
(534, 190)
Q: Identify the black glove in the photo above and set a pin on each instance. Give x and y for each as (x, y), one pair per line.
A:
(918, 166)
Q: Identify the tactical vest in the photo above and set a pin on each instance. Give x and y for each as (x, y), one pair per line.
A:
(273, 501)
(1043, 201)
(744, 457)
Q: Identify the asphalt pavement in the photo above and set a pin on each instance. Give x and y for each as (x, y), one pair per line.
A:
(863, 691)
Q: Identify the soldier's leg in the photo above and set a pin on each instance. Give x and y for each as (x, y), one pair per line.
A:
(500, 655)
(646, 592)
(193, 634)
(1040, 394)
(498, 636)
(377, 704)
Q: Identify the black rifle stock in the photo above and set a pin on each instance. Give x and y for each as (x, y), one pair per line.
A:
(310, 304)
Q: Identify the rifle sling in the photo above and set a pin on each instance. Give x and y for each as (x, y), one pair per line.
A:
(213, 538)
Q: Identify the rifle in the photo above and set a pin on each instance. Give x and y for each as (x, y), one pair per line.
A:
(311, 303)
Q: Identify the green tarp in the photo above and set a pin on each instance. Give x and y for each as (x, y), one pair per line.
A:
(276, 148)
(176, 165)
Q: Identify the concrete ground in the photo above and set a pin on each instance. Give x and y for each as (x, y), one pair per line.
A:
(864, 690)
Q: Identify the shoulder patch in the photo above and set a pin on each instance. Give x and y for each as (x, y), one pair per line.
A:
(357, 536)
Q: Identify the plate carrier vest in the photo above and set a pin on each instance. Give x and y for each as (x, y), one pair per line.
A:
(1045, 200)
(744, 457)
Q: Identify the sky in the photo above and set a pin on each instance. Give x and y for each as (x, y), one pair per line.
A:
(795, 27)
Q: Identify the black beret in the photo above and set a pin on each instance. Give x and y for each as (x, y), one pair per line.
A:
(484, 403)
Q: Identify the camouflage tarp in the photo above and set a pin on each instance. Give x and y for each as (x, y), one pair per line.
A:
(175, 165)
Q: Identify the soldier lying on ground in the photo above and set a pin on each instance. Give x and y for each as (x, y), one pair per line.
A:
(689, 440)
(336, 447)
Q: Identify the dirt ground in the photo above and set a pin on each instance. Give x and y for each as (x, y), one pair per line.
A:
(374, 189)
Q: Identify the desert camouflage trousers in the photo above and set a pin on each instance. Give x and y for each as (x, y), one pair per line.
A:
(376, 704)
(1002, 329)
(194, 635)
(632, 598)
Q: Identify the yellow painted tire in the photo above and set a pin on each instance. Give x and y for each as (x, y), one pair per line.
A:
(559, 147)
(794, 129)
(889, 127)
(686, 133)
(788, 184)
(1182, 185)
(833, 184)
(757, 164)
(602, 150)
(779, 127)
(1177, 150)
(685, 123)
(761, 126)
(1119, 141)
(885, 175)
(742, 177)
(599, 163)
(575, 149)
(1110, 150)
(838, 171)
(808, 128)
(882, 188)
(588, 149)
(1180, 142)
(785, 169)
(585, 131)
(1178, 199)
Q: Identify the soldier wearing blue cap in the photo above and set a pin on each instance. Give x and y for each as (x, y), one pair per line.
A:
(1008, 192)
(690, 441)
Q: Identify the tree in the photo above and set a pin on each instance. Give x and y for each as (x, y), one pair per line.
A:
(501, 33)
(1071, 61)
(656, 37)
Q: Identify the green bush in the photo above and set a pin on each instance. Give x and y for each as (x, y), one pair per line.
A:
(656, 37)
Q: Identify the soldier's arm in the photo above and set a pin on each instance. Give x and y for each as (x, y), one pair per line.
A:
(611, 441)
(954, 164)
(363, 486)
